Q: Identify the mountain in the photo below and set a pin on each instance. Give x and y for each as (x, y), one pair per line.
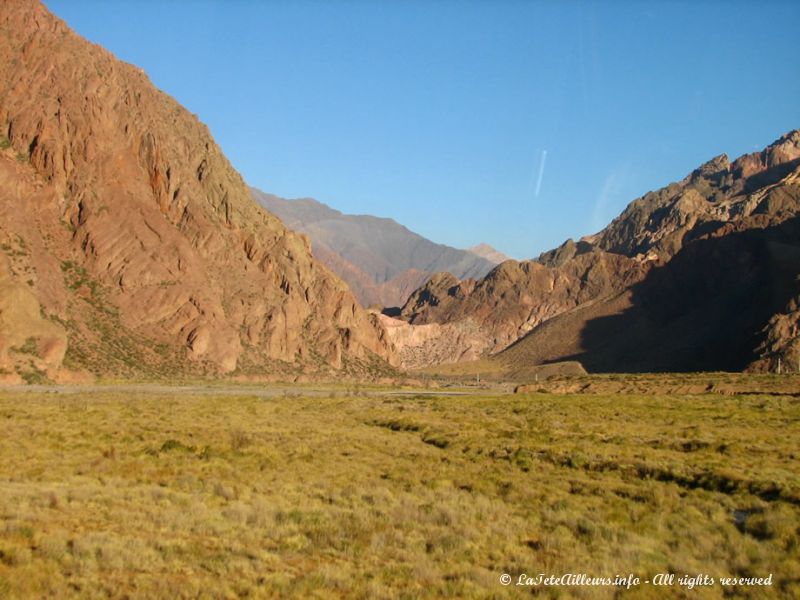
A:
(510, 301)
(704, 310)
(382, 261)
(129, 243)
(489, 253)
(701, 274)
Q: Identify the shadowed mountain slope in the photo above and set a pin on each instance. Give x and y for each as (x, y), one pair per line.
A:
(382, 261)
(707, 309)
(130, 232)
(628, 269)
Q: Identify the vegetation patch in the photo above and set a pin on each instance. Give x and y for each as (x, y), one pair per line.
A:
(33, 375)
(28, 347)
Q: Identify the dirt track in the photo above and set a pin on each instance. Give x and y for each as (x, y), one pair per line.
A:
(265, 391)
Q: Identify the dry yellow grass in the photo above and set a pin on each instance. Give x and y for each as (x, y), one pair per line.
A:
(180, 496)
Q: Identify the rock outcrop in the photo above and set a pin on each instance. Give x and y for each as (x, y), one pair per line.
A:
(762, 184)
(30, 345)
(421, 346)
(137, 223)
(518, 296)
(722, 303)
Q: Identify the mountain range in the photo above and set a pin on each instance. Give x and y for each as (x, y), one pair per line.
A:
(130, 247)
(699, 275)
(382, 261)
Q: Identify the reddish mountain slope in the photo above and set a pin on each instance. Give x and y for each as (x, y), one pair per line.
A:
(141, 242)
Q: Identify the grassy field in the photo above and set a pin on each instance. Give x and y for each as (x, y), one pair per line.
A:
(159, 495)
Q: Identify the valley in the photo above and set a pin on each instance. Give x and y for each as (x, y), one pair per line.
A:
(211, 391)
(357, 494)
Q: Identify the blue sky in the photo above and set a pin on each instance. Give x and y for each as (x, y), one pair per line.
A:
(515, 123)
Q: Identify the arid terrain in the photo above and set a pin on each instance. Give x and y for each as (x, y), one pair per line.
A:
(131, 248)
(207, 391)
(131, 245)
(356, 493)
(699, 275)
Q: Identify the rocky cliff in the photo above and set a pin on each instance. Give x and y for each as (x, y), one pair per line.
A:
(761, 185)
(725, 302)
(125, 222)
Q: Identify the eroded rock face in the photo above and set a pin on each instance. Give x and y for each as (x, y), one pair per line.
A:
(718, 192)
(725, 302)
(592, 278)
(517, 296)
(134, 191)
(432, 344)
(780, 348)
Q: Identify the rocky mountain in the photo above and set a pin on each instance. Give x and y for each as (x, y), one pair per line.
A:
(513, 299)
(701, 274)
(129, 243)
(381, 261)
(704, 310)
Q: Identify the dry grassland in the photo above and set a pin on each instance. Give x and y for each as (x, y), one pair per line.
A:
(356, 496)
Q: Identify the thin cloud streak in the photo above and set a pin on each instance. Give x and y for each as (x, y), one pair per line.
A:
(541, 173)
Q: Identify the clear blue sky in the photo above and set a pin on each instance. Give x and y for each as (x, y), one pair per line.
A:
(442, 114)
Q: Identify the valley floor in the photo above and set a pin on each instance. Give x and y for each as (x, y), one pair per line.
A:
(148, 493)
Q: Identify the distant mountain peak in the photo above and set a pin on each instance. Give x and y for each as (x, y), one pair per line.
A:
(489, 253)
(381, 260)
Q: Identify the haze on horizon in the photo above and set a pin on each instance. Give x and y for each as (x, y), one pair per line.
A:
(517, 124)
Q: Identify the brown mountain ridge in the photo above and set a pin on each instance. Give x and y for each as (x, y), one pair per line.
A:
(130, 243)
(701, 274)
